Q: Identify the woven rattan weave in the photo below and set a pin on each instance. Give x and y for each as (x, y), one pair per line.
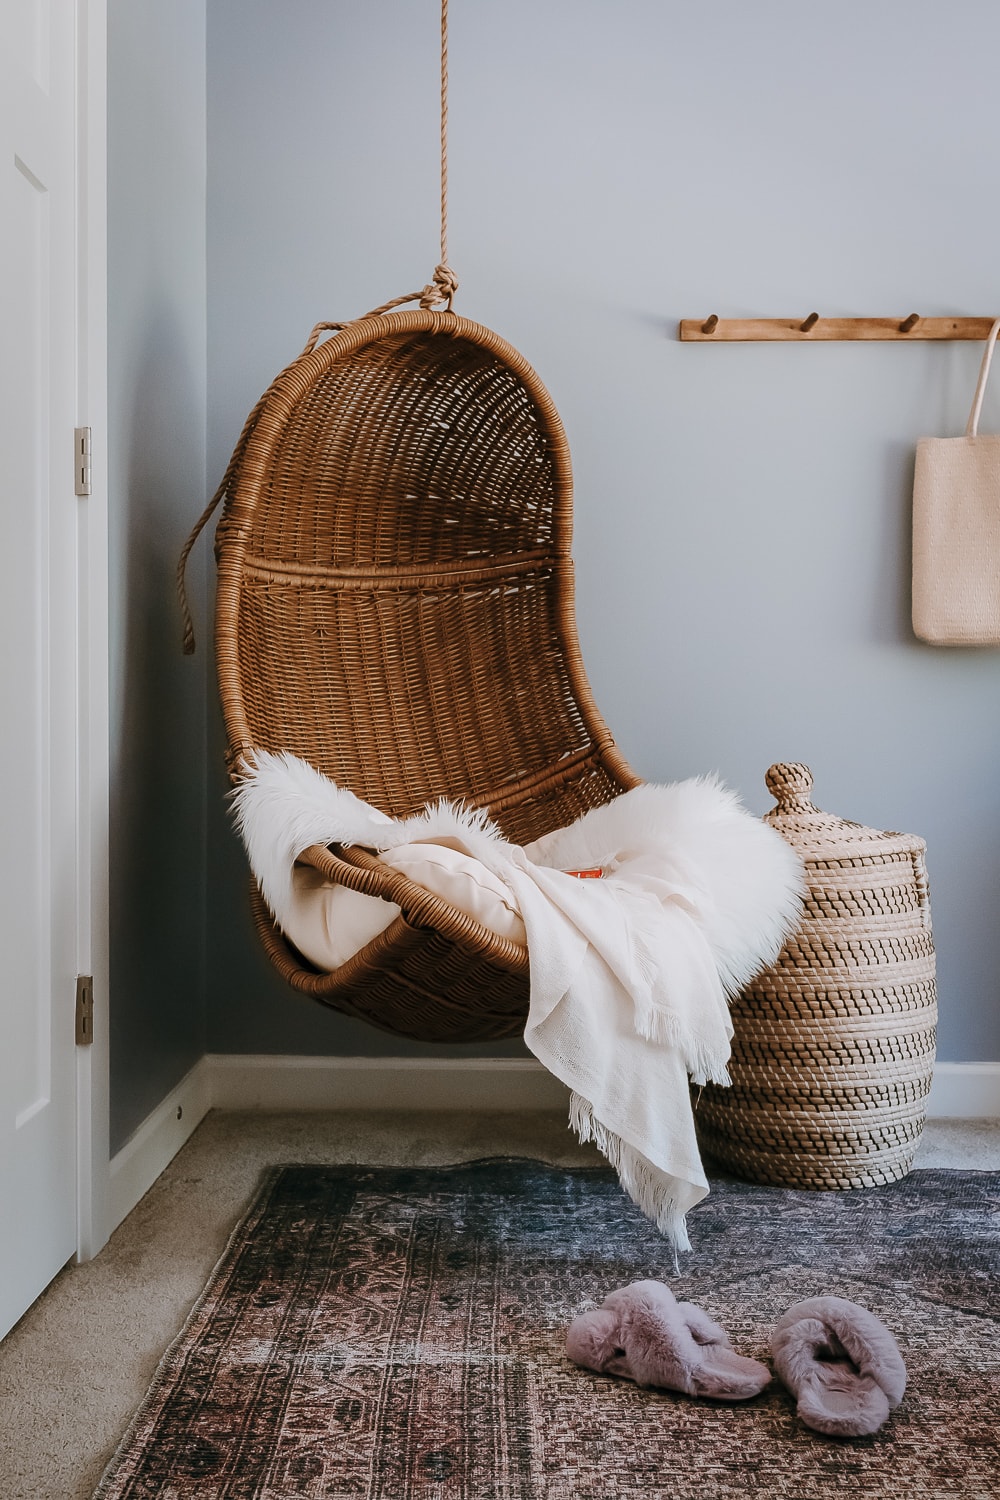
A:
(834, 1045)
(395, 605)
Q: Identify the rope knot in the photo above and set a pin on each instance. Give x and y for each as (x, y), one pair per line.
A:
(441, 289)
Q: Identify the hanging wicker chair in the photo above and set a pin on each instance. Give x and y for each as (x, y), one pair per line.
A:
(395, 606)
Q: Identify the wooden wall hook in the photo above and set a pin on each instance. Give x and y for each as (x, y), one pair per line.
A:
(815, 329)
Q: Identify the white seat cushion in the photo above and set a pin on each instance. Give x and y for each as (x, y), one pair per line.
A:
(329, 923)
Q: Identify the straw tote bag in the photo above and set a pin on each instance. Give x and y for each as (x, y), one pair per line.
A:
(956, 532)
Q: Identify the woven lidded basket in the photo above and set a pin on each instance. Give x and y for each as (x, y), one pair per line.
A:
(833, 1049)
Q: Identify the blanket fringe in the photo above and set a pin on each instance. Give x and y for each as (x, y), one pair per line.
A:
(646, 1186)
(654, 1024)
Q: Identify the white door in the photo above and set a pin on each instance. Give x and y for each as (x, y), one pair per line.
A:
(39, 879)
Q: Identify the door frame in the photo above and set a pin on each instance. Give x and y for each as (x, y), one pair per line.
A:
(93, 747)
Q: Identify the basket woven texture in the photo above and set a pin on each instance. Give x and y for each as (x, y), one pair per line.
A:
(833, 1049)
(395, 605)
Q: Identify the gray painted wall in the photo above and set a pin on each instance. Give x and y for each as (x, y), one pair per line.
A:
(742, 512)
(157, 396)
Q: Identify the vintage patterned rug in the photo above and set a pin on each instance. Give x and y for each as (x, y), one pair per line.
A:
(397, 1334)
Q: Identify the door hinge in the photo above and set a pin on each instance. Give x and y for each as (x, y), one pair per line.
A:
(84, 1010)
(81, 459)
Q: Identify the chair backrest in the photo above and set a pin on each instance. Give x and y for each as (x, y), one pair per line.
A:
(395, 596)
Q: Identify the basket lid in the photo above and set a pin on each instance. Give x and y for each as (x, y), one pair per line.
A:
(818, 835)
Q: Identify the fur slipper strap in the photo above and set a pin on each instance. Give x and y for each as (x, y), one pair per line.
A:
(644, 1334)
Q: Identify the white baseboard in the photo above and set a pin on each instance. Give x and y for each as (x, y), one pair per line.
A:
(151, 1148)
(435, 1083)
(963, 1091)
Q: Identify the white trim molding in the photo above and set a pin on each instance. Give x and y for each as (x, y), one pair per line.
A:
(150, 1149)
(965, 1091)
(435, 1083)
(93, 753)
(513, 1084)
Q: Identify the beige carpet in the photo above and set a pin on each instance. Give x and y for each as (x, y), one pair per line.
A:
(76, 1366)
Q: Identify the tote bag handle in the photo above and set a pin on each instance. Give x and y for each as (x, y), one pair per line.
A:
(972, 426)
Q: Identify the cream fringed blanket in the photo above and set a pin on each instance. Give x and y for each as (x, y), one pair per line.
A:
(629, 974)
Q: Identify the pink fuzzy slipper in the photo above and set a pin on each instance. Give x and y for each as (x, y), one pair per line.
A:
(645, 1334)
(842, 1365)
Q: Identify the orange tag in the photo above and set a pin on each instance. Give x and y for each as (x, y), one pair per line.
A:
(585, 874)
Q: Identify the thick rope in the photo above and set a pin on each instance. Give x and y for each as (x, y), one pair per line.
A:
(202, 521)
(444, 145)
(187, 640)
(444, 285)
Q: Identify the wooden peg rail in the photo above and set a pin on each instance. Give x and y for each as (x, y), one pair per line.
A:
(814, 329)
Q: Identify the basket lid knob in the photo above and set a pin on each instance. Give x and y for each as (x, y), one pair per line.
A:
(790, 783)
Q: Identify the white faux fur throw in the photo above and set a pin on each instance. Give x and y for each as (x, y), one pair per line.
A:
(629, 974)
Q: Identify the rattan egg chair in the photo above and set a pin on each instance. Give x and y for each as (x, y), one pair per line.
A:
(395, 606)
